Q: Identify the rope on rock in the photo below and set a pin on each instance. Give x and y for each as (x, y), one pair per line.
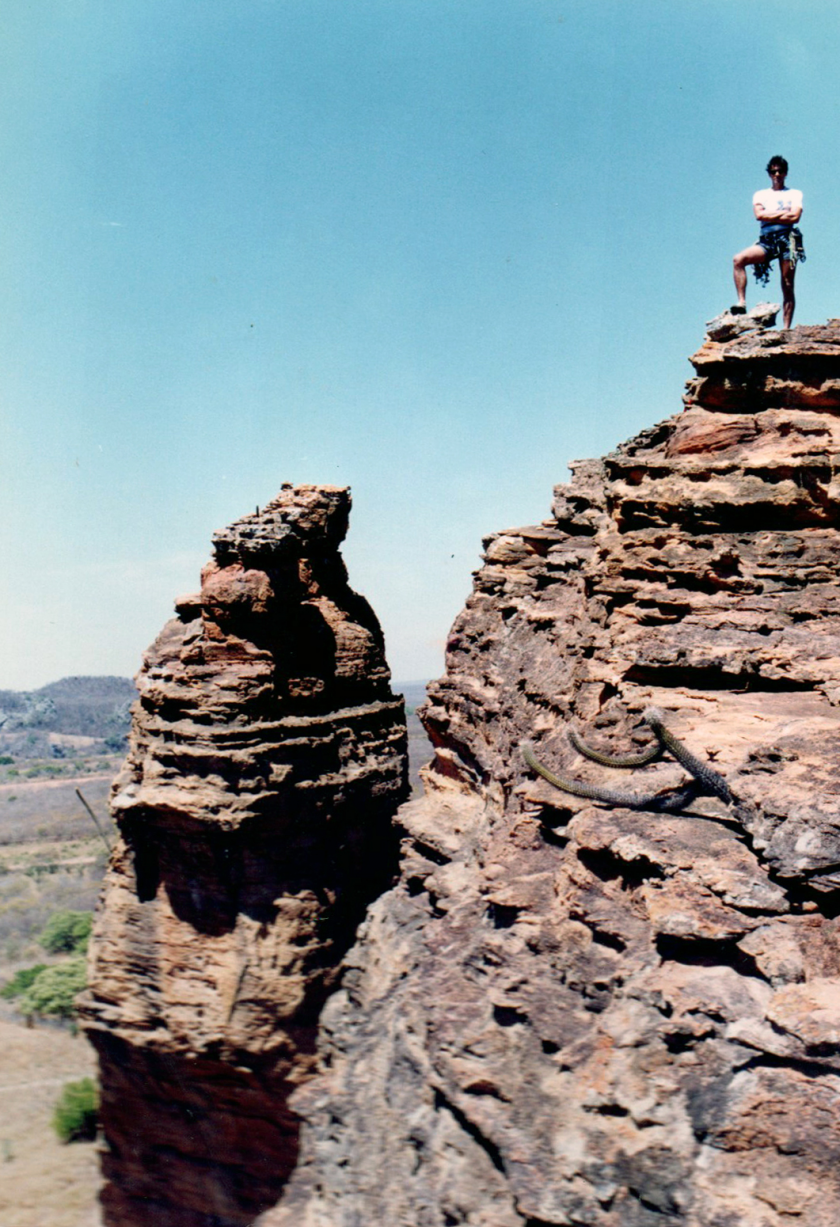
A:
(705, 779)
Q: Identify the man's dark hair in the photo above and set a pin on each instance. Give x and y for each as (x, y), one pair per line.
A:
(780, 162)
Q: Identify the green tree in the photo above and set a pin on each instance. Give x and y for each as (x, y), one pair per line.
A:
(76, 1114)
(21, 981)
(55, 989)
(67, 932)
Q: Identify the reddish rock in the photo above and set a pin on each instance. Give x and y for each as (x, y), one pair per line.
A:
(267, 756)
(574, 1012)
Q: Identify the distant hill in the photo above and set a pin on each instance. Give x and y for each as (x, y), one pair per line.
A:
(33, 722)
(95, 707)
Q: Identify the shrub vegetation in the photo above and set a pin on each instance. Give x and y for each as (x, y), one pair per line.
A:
(21, 981)
(54, 990)
(77, 1112)
(67, 932)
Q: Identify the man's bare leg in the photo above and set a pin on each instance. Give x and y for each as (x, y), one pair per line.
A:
(750, 255)
(788, 299)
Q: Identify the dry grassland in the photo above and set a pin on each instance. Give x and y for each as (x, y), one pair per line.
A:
(43, 1183)
(51, 858)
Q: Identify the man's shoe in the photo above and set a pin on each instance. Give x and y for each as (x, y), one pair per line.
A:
(738, 309)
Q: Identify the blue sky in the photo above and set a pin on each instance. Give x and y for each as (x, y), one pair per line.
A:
(431, 249)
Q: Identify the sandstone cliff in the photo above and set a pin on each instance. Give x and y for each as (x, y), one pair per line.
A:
(267, 756)
(612, 1014)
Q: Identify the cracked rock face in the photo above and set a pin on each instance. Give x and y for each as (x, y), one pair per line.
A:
(567, 1012)
(267, 756)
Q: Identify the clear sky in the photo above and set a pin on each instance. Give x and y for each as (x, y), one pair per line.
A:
(431, 249)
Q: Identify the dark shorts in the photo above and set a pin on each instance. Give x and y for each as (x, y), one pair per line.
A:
(780, 243)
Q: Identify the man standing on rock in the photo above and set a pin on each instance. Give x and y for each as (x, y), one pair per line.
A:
(777, 208)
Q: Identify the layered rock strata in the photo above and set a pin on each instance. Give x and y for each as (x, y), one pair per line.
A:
(572, 1012)
(267, 755)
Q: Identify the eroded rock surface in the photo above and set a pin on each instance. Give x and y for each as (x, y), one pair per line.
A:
(267, 756)
(573, 1013)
